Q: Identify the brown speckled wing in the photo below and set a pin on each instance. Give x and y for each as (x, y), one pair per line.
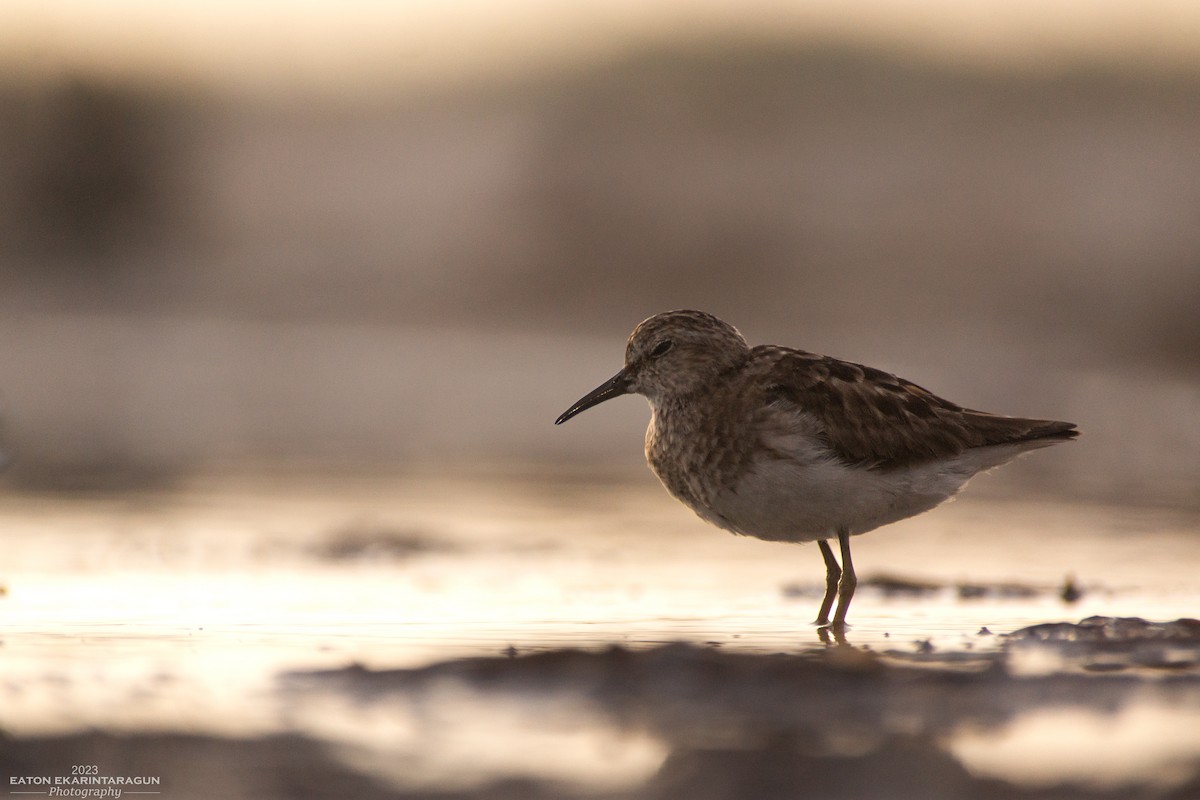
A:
(872, 418)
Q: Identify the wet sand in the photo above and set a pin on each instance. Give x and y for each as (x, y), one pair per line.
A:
(479, 636)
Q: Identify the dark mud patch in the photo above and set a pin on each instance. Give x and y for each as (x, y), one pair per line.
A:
(1114, 643)
(902, 586)
(370, 542)
(839, 722)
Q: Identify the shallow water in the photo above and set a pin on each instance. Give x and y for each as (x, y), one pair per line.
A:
(186, 611)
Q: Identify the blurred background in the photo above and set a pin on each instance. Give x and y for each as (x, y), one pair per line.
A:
(367, 234)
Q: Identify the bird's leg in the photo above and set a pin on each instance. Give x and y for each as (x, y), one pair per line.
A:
(832, 573)
(845, 589)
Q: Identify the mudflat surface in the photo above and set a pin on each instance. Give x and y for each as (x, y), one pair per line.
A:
(529, 635)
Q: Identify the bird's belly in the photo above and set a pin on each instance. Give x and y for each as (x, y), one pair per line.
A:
(782, 500)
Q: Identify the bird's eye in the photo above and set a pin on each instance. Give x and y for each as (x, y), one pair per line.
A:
(661, 348)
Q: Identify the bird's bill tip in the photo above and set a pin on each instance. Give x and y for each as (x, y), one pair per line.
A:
(615, 386)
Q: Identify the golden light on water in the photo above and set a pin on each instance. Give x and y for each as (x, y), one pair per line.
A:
(184, 608)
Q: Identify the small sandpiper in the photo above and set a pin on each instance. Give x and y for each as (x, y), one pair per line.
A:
(792, 446)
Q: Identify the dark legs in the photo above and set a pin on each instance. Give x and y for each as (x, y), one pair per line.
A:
(832, 573)
(846, 585)
(839, 581)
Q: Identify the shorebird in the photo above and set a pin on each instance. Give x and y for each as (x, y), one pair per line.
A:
(787, 445)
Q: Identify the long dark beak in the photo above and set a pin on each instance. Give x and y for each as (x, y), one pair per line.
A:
(615, 386)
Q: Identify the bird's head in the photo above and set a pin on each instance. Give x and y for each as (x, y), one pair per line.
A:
(670, 355)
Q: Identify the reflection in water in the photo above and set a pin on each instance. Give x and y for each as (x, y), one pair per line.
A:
(479, 612)
(1144, 743)
(453, 736)
(845, 715)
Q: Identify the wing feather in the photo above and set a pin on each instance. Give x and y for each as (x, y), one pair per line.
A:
(877, 419)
